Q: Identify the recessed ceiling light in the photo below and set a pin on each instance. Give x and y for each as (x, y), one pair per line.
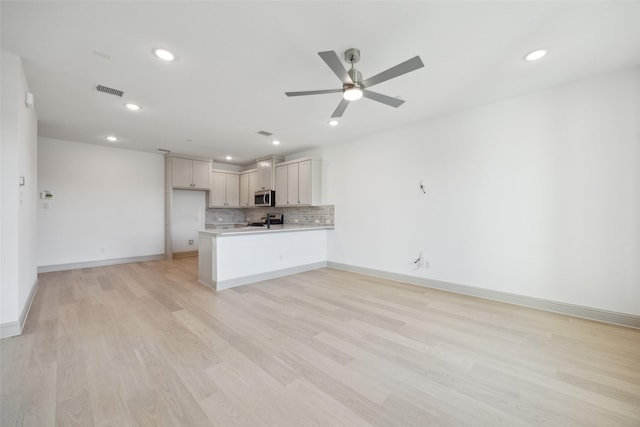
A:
(275, 142)
(535, 55)
(132, 107)
(333, 123)
(112, 138)
(164, 54)
(229, 158)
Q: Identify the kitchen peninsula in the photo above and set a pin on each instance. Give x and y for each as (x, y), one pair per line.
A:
(239, 256)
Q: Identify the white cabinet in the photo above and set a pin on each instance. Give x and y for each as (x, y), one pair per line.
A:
(298, 183)
(304, 183)
(244, 190)
(253, 187)
(248, 188)
(281, 186)
(190, 173)
(265, 172)
(232, 190)
(225, 190)
(293, 198)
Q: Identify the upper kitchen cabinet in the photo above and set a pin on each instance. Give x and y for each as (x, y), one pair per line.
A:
(190, 173)
(248, 187)
(225, 189)
(298, 183)
(266, 172)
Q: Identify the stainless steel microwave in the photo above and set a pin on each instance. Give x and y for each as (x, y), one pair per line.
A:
(265, 198)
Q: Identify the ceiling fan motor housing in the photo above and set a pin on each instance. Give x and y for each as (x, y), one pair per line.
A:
(352, 55)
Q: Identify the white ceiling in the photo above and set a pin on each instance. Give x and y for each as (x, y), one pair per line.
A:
(235, 60)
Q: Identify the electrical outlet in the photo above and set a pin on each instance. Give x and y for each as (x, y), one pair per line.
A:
(427, 264)
(219, 219)
(295, 220)
(317, 221)
(328, 221)
(190, 243)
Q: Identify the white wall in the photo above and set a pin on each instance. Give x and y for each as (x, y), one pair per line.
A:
(187, 218)
(18, 224)
(108, 203)
(537, 196)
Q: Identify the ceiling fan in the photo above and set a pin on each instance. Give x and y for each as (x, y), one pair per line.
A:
(353, 87)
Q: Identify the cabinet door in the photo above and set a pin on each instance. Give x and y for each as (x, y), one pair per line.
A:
(181, 173)
(253, 187)
(232, 188)
(217, 193)
(244, 189)
(281, 185)
(304, 182)
(292, 184)
(200, 177)
(265, 171)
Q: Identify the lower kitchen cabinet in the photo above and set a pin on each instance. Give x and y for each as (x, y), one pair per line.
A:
(224, 191)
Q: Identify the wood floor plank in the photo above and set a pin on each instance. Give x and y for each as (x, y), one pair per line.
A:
(222, 413)
(146, 344)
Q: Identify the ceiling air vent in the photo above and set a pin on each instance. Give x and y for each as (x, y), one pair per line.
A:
(109, 90)
(265, 133)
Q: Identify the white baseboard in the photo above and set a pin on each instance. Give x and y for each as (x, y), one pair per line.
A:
(622, 319)
(10, 329)
(98, 263)
(232, 283)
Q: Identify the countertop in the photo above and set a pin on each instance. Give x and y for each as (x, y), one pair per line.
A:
(263, 230)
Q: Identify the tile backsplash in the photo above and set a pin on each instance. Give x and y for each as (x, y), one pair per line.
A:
(308, 215)
(229, 216)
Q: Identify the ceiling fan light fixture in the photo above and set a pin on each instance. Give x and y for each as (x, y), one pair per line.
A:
(333, 123)
(352, 94)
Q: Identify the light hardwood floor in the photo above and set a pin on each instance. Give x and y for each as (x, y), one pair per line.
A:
(145, 344)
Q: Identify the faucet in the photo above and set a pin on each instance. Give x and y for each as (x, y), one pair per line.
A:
(268, 220)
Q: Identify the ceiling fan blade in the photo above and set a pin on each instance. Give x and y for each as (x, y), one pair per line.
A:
(400, 69)
(332, 60)
(313, 92)
(388, 100)
(340, 110)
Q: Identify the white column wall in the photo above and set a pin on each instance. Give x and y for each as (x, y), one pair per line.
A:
(18, 224)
